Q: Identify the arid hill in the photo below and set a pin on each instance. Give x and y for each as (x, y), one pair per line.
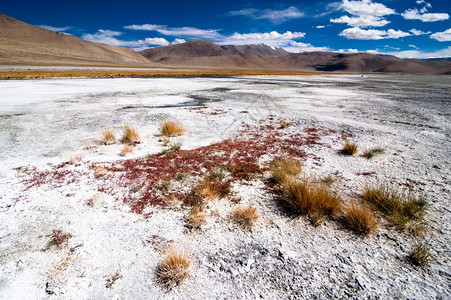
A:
(262, 57)
(22, 43)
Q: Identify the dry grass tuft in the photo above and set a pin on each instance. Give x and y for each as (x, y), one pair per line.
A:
(245, 215)
(174, 268)
(284, 124)
(58, 238)
(315, 200)
(419, 256)
(107, 137)
(130, 135)
(283, 168)
(359, 219)
(207, 189)
(100, 171)
(349, 148)
(126, 149)
(170, 128)
(196, 218)
(372, 152)
(399, 207)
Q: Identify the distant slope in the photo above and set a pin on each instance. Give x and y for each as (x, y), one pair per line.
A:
(262, 57)
(21, 43)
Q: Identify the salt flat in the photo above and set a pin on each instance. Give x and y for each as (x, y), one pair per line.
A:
(48, 122)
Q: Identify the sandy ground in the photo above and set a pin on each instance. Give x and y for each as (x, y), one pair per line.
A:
(47, 122)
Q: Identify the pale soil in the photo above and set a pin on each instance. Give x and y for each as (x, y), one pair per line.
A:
(47, 122)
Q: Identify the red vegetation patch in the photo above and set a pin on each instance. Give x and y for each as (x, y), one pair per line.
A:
(239, 157)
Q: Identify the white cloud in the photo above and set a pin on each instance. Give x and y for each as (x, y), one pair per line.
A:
(348, 51)
(414, 14)
(423, 54)
(418, 32)
(158, 41)
(275, 16)
(366, 8)
(364, 13)
(178, 41)
(177, 31)
(372, 34)
(361, 21)
(320, 27)
(413, 46)
(272, 38)
(109, 37)
(53, 28)
(298, 47)
(444, 36)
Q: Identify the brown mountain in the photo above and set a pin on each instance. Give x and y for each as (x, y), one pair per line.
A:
(262, 57)
(21, 43)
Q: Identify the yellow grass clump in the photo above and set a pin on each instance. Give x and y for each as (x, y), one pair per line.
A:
(196, 217)
(301, 196)
(107, 137)
(126, 149)
(129, 135)
(359, 219)
(283, 168)
(399, 207)
(174, 268)
(349, 148)
(170, 128)
(245, 215)
(419, 256)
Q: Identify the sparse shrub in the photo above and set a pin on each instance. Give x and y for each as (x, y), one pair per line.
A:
(196, 217)
(218, 174)
(207, 189)
(58, 238)
(245, 216)
(349, 148)
(373, 151)
(419, 256)
(329, 179)
(283, 168)
(126, 149)
(174, 268)
(303, 197)
(130, 135)
(399, 207)
(170, 128)
(176, 146)
(107, 137)
(110, 281)
(359, 219)
(284, 124)
(243, 169)
(100, 171)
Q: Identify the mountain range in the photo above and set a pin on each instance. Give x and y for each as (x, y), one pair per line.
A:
(25, 44)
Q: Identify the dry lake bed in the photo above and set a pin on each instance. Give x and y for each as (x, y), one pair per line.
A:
(117, 215)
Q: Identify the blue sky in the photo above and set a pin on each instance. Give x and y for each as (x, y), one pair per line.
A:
(413, 28)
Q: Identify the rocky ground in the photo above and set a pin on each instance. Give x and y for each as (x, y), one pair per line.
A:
(116, 219)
